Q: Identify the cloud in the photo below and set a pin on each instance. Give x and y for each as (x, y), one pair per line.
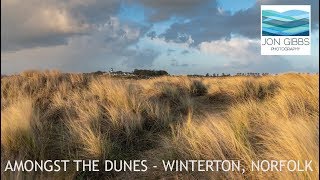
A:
(108, 45)
(165, 9)
(175, 63)
(38, 23)
(170, 51)
(236, 48)
(139, 59)
(261, 65)
(247, 22)
(185, 52)
(90, 35)
(242, 54)
(206, 25)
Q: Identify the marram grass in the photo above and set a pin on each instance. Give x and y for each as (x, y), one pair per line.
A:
(50, 115)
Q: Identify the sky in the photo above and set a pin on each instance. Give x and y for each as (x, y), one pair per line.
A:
(179, 36)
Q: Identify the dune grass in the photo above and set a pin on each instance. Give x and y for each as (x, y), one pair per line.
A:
(51, 115)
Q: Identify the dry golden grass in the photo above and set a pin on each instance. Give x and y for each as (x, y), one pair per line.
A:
(50, 115)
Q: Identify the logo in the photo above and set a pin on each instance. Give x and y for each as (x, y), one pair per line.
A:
(285, 30)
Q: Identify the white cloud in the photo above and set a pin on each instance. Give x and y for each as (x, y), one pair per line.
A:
(236, 47)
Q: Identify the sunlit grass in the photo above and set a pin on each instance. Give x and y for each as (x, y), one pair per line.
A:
(50, 115)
